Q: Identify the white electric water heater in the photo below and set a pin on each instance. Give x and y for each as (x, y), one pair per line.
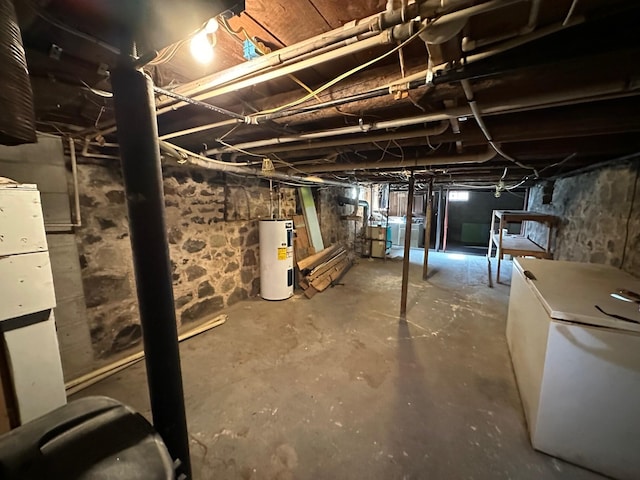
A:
(276, 259)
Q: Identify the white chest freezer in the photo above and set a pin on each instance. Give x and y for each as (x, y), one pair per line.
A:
(577, 368)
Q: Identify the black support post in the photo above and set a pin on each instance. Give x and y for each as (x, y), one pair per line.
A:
(407, 248)
(427, 230)
(140, 158)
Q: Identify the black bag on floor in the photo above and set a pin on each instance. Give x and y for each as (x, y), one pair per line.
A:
(94, 438)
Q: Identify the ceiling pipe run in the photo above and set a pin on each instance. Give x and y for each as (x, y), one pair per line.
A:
(405, 164)
(361, 128)
(610, 90)
(469, 44)
(182, 155)
(378, 23)
(425, 132)
(304, 54)
(466, 86)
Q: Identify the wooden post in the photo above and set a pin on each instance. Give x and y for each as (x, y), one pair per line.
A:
(427, 230)
(407, 248)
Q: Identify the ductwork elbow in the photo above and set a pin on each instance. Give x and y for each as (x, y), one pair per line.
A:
(17, 122)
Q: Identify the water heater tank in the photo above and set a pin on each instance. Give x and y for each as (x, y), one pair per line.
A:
(276, 259)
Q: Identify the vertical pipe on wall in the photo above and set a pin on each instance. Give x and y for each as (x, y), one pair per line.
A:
(407, 248)
(140, 160)
(427, 230)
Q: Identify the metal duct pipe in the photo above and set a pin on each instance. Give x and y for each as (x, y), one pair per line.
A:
(17, 121)
(367, 127)
(407, 163)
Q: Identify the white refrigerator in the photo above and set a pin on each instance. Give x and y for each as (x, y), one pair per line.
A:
(27, 299)
(577, 368)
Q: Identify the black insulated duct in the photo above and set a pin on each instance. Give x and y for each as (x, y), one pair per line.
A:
(17, 118)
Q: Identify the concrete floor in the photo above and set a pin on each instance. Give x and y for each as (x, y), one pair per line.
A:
(336, 388)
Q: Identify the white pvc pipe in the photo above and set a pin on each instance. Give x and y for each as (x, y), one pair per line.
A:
(363, 128)
(574, 96)
(402, 135)
(406, 164)
(383, 38)
(469, 45)
(208, 163)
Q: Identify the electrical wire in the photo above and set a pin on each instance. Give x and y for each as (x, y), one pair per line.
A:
(570, 12)
(263, 50)
(63, 26)
(166, 54)
(401, 150)
(433, 149)
(99, 93)
(344, 75)
(198, 103)
(228, 145)
(557, 164)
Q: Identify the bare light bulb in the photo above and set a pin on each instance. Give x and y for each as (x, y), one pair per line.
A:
(203, 42)
(201, 48)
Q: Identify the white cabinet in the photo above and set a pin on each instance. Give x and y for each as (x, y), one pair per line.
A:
(27, 284)
(21, 225)
(27, 299)
(577, 369)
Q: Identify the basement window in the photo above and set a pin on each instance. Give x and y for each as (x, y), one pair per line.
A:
(459, 195)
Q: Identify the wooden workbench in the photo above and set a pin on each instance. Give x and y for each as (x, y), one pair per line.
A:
(518, 245)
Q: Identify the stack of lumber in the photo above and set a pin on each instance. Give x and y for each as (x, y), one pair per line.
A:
(321, 270)
(302, 247)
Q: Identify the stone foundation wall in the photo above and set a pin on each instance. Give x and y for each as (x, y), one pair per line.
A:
(212, 224)
(333, 227)
(600, 218)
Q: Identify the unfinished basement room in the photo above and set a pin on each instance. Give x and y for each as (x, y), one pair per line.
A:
(319, 239)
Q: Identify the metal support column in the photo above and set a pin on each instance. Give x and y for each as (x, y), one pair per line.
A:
(140, 159)
(439, 221)
(446, 221)
(407, 248)
(427, 230)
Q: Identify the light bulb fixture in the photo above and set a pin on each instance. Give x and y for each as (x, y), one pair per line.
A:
(267, 166)
(203, 42)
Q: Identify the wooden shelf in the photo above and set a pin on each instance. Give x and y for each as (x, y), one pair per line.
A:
(520, 246)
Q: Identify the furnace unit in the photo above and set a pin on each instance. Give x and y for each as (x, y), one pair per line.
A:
(276, 259)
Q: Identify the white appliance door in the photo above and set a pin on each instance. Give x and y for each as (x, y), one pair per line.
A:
(36, 371)
(571, 291)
